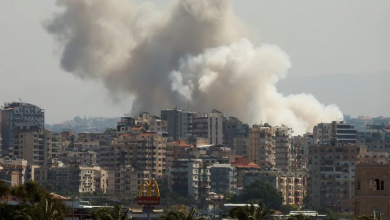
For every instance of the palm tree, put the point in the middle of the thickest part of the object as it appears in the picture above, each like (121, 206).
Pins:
(172, 215)
(365, 217)
(261, 212)
(106, 214)
(44, 210)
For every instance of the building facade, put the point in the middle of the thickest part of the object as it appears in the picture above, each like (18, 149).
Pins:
(261, 144)
(179, 122)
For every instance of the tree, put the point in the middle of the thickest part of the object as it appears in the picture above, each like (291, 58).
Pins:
(179, 208)
(286, 209)
(106, 214)
(261, 191)
(324, 211)
(4, 191)
(261, 212)
(298, 217)
(365, 217)
(172, 215)
(44, 210)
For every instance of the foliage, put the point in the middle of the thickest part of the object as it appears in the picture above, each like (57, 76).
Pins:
(228, 196)
(298, 217)
(29, 193)
(260, 191)
(337, 216)
(286, 209)
(169, 198)
(365, 217)
(44, 210)
(261, 212)
(324, 211)
(107, 214)
(179, 208)
(172, 215)
(4, 191)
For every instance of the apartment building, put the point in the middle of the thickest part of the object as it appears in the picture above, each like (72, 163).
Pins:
(124, 125)
(216, 127)
(142, 150)
(291, 185)
(73, 178)
(240, 146)
(372, 192)
(16, 118)
(191, 177)
(261, 144)
(200, 126)
(16, 171)
(179, 122)
(375, 137)
(283, 156)
(78, 156)
(235, 129)
(332, 175)
(336, 131)
(299, 151)
(223, 179)
(125, 181)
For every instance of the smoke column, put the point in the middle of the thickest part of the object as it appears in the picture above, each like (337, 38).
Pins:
(196, 54)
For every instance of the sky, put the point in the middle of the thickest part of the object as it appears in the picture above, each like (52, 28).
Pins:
(347, 38)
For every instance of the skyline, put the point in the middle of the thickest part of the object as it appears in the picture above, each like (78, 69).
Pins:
(59, 92)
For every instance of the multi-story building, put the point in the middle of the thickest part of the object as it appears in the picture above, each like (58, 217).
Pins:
(336, 131)
(223, 179)
(142, 150)
(16, 171)
(200, 126)
(291, 185)
(191, 177)
(331, 175)
(299, 151)
(283, 157)
(79, 156)
(235, 129)
(240, 146)
(125, 181)
(372, 192)
(375, 137)
(261, 144)
(124, 125)
(16, 118)
(73, 178)
(216, 125)
(179, 122)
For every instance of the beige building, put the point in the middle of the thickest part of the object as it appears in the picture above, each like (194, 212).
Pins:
(16, 171)
(372, 191)
(125, 181)
(74, 178)
(261, 145)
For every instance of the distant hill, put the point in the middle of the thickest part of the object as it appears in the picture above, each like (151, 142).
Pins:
(355, 94)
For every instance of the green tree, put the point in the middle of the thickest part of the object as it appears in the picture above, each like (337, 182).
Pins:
(107, 214)
(298, 217)
(173, 215)
(251, 212)
(4, 191)
(261, 191)
(179, 208)
(44, 210)
(29, 193)
(365, 217)
(324, 211)
(286, 209)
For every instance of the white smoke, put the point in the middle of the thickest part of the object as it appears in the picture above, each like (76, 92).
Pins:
(196, 54)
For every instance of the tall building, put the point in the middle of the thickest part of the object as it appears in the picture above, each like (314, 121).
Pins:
(300, 151)
(200, 126)
(216, 124)
(261, 144)
(179, 122)
(17, 118)
(283, 159)
(336, 131)
(223, 179)
(331, 176)
(234, 128)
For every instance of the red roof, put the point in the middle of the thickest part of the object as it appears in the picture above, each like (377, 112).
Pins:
(137, 128)
(182, 143)
(147, 134)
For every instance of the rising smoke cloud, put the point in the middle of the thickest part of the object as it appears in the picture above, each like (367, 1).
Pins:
(195, 54)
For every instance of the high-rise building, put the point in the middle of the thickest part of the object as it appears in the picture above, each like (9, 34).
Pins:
(283, 159)
(332, 175)
(179, 122)
(336, 131)
(223, 179)
(17, 118)
(216, 125)
(234, 128)
(261, 144)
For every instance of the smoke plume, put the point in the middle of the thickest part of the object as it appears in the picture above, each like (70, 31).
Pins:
(195, 54)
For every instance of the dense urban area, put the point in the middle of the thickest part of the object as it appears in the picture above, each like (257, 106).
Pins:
(205, 164)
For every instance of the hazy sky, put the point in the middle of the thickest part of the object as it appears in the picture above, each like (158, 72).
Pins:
(322, 37)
